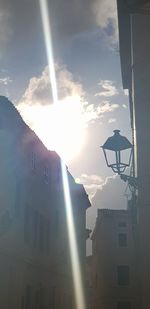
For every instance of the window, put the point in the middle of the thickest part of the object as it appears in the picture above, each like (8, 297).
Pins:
(122, 240)
(124, 305)
(40, 298)
(122, 224)
(52, 298)
(96, 280)
(22, 302)
(41, 233)
(35, 225)
(26, 224)
(42, 295)
(33, 160)
(123, 274)
(46, 174)
(17, 199)
(37, 298)
(58, 176)
(36, 230)
(57, 222)
(28, 297)
(47, 236)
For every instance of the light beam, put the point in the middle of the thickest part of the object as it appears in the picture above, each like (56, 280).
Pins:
(76, 270)
(49, 50)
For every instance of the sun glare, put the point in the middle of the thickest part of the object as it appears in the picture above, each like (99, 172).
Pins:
(60, 126)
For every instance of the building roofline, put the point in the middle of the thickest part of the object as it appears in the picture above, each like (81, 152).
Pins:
(33, 138)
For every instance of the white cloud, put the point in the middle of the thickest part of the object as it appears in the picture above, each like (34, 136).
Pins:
(106, 16)
(5, 81)
(91, 183)
(92, 112)
(104, 11)
(108, 179)
(68, 123)
(61, 126)
(107, 107)
(108, 89)
(112, 120)
(110, 194)
(95, 183)
(94, 179)
(84, 15)
(126, 92)
(38, 91)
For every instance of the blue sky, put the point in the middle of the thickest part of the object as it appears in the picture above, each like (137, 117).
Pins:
(86, 52)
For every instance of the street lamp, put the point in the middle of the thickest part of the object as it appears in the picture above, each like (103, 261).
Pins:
(118, 153)
(114, 153)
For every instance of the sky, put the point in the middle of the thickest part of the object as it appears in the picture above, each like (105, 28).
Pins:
(92, 102)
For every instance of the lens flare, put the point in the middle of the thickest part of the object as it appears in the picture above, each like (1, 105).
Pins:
(80, 304)
(76, 270)
(49, 50)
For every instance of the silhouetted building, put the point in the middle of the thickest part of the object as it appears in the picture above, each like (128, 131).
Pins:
(35, 268)
(134, 37)
(115, 282)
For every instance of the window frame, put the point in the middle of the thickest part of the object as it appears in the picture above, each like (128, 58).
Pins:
(33, 161)
(124, 278)
(46, 174)
(122, 243)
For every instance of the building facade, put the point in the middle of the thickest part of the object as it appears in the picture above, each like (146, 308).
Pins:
(134, 25)
(35, 266)
(115, 278)
(89, 282)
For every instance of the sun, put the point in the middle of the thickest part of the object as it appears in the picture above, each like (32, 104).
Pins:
(60, 126)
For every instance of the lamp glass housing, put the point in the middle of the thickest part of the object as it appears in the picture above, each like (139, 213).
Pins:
(118, 152)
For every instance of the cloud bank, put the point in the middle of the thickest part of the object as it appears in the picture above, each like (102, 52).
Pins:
(61, 127)
(91, 183)
(21, 19)
(38, 93)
